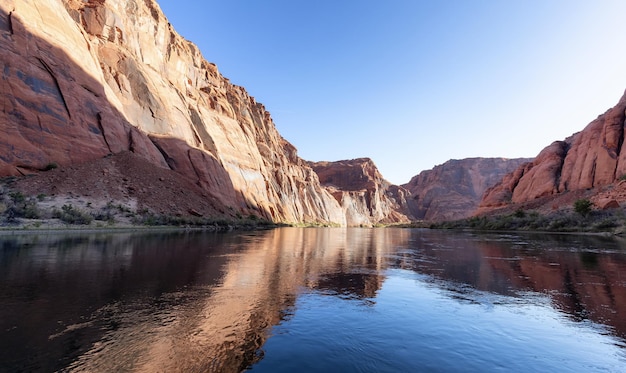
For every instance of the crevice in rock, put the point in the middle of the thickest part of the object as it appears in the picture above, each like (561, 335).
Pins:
(559, 171)
(90, 90)
(56, 83)
(620, 143)
(195, 170)
(169, 160)
(29, 169)
(199, 128)
(593, 173)
(194, 129)
(10, 22)
(99, 117)
(131, 141)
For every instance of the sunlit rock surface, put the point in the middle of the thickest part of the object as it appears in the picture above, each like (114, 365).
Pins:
(590, 159)
(82, 79)
(364, 195)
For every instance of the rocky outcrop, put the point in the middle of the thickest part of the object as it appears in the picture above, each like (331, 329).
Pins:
(454, 189)
(365, 196)
(83, 79)
(590, 159)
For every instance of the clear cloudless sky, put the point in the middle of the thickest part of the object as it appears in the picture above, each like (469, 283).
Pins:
(414, 83)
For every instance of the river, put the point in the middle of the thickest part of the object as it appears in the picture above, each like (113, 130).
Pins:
(312, 300)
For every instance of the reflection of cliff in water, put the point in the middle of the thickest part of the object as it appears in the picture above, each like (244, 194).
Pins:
(584, 275)
(206, 302)
(65, 291)
(182, 301)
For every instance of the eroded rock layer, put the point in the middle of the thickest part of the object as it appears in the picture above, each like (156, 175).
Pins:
(365, 196)
(83, 79)
(453, 190)
(590, 159)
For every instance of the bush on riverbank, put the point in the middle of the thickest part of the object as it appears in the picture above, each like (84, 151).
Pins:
(563, 221)
(21, 211)
(151, 219)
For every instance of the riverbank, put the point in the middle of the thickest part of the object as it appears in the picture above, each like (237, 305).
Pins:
(611, 221)
(51, 229)
(20, 213)
(46, 203)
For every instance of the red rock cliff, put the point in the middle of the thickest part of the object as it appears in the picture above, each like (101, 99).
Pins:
(454, 189)
(365, 196)
(83, 79)
(588, 159)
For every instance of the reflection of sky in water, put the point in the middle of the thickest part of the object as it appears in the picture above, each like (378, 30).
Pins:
(417, 322)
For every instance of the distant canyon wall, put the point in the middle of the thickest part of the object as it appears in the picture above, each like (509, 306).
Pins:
(363, 193)
(453, 190)
(589, 159)
(83, 79)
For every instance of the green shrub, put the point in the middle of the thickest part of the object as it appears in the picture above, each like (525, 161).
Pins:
(30, 210)
(606, 223)
(71, 215)
(50, 166)
(104, 215)
(21, 207)
(17, 197)
(583, 206)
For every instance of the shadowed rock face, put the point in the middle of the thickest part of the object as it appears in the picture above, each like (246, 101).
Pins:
(365, 196)
(83, 79)
(589, 159)
(454, 189)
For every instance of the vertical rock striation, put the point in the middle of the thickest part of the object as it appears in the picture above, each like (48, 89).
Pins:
(454, 189)
(588, 159)
(83, 79)
(365, 196)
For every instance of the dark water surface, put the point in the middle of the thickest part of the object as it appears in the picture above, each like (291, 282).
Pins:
(312, 299)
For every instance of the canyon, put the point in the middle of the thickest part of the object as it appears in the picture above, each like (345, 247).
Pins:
(103, 101)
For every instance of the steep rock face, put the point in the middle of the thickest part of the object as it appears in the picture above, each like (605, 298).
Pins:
(454, 189)
(82, 79)
(588, 159)
(365, 196)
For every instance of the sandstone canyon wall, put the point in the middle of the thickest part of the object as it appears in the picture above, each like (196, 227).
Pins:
(589, 159)
(365, 196)
(83, 79)
(453, 190)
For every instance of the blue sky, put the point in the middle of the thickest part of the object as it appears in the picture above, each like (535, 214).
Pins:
(412, 83)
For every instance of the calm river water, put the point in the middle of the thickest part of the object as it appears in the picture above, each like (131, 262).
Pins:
(312, 300)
